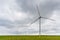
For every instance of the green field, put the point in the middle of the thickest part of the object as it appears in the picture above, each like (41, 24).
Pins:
(30, 37)
(19, 37)
(50, 37)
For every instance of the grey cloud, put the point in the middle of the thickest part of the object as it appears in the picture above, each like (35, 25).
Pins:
(8, 12)
(6, 23)
(27, 6)
(46, 8)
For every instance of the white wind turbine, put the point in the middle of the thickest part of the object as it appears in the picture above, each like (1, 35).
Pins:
(39, 18)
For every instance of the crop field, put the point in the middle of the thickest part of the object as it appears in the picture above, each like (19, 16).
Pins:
(50, 37)
(22, 37)
(19, 37)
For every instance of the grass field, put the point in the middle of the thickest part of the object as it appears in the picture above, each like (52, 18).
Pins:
(50, 37)
(19, 37)
(30, 37)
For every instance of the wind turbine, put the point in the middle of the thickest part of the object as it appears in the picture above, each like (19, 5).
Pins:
(39, 18)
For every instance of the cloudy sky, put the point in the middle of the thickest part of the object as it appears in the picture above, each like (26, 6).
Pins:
(16, 16)
(52, 9)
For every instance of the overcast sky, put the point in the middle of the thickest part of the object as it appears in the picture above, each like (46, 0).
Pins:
(51, 7)
(16, 16)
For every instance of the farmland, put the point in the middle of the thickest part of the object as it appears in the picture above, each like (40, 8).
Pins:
(28, 37)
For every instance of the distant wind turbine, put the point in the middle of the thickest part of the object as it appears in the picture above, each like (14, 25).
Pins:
(39, 18)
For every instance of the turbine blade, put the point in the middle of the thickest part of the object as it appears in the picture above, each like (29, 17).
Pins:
(47, 18)
(38, 10)
(35, 20)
